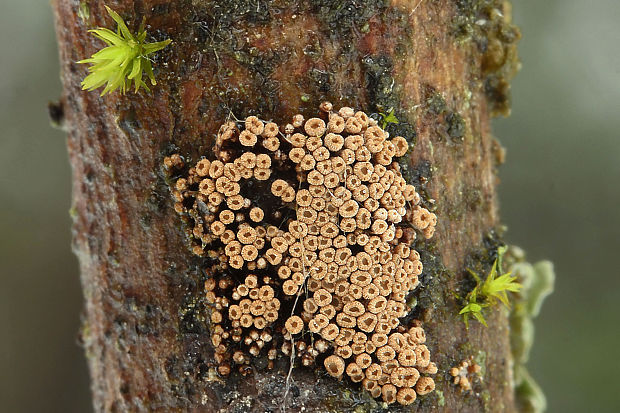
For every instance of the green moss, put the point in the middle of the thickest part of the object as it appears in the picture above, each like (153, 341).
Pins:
(493, 289)
(123, 61)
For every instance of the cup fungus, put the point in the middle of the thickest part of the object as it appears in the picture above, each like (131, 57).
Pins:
(306, 233)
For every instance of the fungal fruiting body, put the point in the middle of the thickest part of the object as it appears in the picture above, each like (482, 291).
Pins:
(308, 229)
(465, 374)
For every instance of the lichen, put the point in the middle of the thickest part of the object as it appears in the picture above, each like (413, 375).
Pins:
(441, 400)
(447, 124)
(487, 23)
(83, 11)
(456, 126)
(537, 280)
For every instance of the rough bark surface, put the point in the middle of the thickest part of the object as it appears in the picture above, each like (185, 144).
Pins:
(442, 65)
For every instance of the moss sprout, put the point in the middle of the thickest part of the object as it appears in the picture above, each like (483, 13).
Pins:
(487, 293)
(124, 60)
(387, 118)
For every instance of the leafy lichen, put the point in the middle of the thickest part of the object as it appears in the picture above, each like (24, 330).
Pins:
(487, 24)
(537, 280)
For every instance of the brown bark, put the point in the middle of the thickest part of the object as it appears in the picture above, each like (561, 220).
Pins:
(432, 61)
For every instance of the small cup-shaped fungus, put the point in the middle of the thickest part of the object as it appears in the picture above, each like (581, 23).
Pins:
(320, 208)
(334, 365)
(294, 324)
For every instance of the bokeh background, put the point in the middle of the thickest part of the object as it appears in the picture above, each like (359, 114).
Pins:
(559, 197)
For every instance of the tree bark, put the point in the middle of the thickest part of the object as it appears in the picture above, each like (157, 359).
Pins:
(441, 65)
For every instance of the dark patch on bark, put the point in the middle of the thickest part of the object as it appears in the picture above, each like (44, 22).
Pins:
(488, 24)
(56, 113)
(344, 17)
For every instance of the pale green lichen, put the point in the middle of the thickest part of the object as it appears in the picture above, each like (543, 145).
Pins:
(83, 11)
(481, 360)
(441, 400)
(537, 281)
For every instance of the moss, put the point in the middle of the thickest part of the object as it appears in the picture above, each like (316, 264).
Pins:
(480, 260)
(487, 24)
(124, 46)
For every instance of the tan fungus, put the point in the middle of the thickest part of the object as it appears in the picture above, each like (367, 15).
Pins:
(352, 209)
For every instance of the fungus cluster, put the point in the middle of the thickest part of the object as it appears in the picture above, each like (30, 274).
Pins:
(309, 228)
(465, 374)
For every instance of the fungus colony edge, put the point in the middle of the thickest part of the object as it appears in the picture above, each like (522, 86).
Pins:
(309, 228)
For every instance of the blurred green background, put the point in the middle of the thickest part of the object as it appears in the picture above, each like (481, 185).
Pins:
(559, 198)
